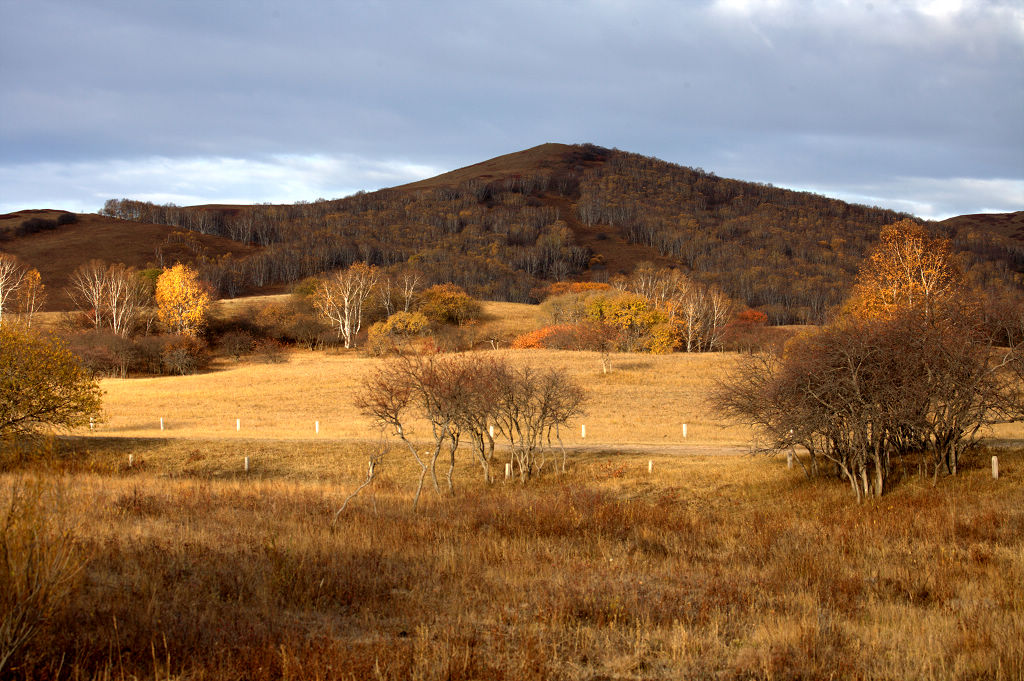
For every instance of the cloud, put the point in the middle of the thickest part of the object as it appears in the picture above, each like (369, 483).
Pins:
(932, 198)
(793, 92)
(188, 181)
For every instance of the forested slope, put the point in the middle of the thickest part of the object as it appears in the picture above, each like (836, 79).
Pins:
(501, 228)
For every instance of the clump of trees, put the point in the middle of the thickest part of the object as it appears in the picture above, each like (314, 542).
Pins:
(474, 397)
(908, 375)
(654, 309)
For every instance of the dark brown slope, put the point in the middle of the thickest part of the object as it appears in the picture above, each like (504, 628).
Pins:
(57, 252)
(1007, 225)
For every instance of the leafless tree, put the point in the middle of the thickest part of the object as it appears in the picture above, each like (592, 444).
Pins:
(125, 297)
(89, 289)
(12, 274)
(340, 299)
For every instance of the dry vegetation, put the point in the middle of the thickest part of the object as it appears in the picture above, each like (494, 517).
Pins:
(284, 400)
(725, 567)
(714, 565)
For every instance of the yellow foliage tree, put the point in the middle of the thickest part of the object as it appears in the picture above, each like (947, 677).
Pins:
(909, 269)
(182, 300)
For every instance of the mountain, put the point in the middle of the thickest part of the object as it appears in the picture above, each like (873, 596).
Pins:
(504, 227)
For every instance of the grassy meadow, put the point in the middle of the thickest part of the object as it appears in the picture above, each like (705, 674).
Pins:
(712, 564)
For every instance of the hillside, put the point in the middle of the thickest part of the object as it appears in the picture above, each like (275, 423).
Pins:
(56, 250)
(503, 227)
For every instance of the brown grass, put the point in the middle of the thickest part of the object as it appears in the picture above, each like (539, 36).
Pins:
(714, 567)
(644, 400)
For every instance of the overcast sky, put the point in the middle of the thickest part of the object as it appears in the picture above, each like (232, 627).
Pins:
(912, 105)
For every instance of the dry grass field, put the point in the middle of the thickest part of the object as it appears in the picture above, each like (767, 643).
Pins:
(714, 565)
(644, 399)
(727, 567)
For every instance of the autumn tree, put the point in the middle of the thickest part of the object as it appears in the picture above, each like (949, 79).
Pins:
(909, 269)
(340, 298)
(182, 300)
(42, 385)
(12, 274)
(31, 296)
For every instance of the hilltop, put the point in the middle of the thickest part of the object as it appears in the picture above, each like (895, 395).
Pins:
(504, 227)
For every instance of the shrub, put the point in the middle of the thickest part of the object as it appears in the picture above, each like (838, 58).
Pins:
(67, 219)
(385, 337)
(236, 343)
(449, 304)
(184, 354)
(269, 351)
(43, 385)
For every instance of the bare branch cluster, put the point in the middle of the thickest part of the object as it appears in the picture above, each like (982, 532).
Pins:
(112, 295)
(476, 397)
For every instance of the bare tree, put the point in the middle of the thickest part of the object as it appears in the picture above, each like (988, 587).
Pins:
(89, 289)
(864, 395)
(12, 274)
(125, 297)
(340, 299)
(531, 406)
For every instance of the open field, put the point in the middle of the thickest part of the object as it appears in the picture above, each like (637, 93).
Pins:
(714, 564)
(645, 399)
(723, 567)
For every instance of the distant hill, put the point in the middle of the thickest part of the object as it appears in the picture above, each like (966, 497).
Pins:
(56, 250)
(503, 227)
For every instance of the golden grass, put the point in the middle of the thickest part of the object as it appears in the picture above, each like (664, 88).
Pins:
(645, 399)
(724, 567)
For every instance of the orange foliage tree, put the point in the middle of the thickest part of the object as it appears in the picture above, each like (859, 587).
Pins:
(182, 300)
(908, 270)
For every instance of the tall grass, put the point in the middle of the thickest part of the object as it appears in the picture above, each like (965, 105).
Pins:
(711, 567)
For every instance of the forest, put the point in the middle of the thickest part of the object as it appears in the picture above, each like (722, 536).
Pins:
(792, 255)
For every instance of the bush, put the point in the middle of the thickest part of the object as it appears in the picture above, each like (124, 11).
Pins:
(184, 354)
(67, 219)
(105, 353)
(449, 304)
(43, 385)
(236, 343)
(385, 337)
(581, 336)
(269, 351)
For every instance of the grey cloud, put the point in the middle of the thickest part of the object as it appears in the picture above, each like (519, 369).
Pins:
(792, 92)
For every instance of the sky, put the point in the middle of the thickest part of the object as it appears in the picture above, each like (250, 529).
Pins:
(915, 105)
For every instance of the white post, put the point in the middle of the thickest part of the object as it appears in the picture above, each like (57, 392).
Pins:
(650, 465)
(246, 464)
(789, 459)
(490, 429)
(238, 424)
(92, 423)
(161, 423)
(130, 460)
(684, 430)
(508, 471)
(316, 426)
(583, 431)
(995, 467)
